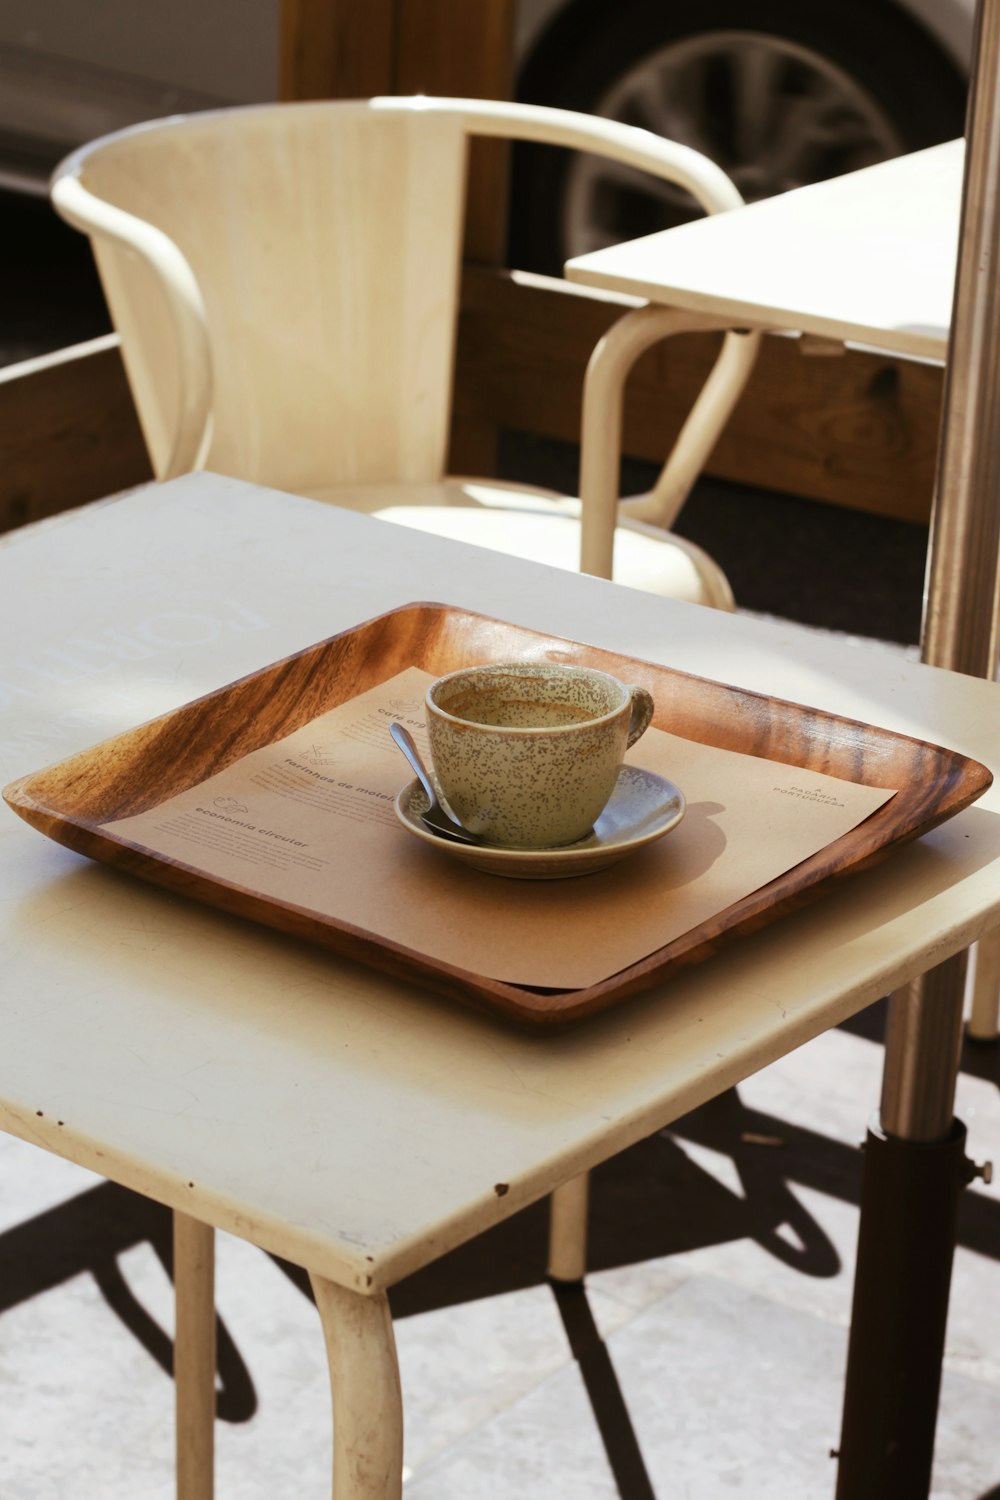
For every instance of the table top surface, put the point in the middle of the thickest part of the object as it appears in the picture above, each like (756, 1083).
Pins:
(867, 258)
(350, 1121)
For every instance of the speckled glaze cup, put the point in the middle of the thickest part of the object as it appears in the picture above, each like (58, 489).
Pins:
(526, 754)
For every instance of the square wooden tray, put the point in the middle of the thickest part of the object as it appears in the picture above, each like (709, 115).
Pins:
(144, 767)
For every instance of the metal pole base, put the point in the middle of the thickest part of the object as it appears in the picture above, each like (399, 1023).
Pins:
(909, 1222)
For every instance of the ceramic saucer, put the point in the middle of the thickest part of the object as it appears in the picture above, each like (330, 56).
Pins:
(642, 808)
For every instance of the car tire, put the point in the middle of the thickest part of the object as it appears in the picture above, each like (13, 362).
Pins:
(836, 85)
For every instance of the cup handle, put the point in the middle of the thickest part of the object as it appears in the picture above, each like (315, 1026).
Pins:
(642, 714)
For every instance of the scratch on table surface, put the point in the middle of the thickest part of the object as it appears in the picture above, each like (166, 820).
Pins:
(508, 1065)
(54, 912)
(498, 1053)
(138, 1056)
(169, 1110)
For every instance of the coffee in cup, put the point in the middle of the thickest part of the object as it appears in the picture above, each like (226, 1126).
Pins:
(527, 754)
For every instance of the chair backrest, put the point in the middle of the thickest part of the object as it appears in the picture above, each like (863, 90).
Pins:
(285, 277)
(324, 241)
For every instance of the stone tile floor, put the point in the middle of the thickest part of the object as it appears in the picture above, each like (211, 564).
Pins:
(710, 1336)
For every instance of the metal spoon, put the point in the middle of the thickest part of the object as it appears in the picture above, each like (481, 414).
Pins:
(435, 818)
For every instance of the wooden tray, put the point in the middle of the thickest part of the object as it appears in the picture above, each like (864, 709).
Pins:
(142, 768)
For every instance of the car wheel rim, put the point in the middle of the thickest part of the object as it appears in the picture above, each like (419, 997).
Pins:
(772, 113)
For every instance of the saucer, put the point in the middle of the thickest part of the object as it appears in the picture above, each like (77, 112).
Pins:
(642, 808)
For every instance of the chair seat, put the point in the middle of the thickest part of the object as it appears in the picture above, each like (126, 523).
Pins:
(541, 527)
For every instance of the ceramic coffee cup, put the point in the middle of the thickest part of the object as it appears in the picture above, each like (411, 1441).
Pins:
(526, 754)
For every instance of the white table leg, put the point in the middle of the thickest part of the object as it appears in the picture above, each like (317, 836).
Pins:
(986, 988)
(367, 1401)
(194, 1356)
(568, 1229)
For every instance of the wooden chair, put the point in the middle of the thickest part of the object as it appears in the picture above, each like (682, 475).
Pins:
(284, 279)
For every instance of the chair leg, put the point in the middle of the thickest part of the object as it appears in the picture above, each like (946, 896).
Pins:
(194, 1356)
(603, 400)
(568, 1229)
(367, 1401)
(701, 431)
(986, 989)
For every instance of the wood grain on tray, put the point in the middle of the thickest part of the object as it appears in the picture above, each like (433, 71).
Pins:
(140, 769)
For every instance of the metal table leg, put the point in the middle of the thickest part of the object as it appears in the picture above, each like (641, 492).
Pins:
(915, 1170)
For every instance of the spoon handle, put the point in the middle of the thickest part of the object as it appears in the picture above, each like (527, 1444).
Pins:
(405, 741)
(435, 818)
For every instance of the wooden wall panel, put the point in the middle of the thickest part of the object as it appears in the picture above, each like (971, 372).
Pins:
(856, 429)
(859, 430)
(68, 432)
(336, 49)
(452, 47)
(350, 49)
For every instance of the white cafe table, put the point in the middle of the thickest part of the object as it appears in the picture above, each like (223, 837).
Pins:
(350, 1121)
(867, 258)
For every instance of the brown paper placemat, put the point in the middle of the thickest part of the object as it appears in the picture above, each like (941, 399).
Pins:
(309, 819)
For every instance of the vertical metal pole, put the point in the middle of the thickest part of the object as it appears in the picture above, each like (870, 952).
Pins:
(915, 1165)
(909, 1220)
(923, 1043)
(960, 596)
